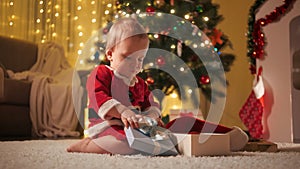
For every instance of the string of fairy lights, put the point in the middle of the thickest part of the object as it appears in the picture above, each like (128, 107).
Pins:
(69, 23)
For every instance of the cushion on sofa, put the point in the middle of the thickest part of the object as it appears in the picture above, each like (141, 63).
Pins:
(17, 55)
(17, 92)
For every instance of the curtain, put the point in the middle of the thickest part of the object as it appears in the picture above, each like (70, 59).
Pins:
(69, 23)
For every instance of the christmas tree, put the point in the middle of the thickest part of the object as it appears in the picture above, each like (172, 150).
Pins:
(201, 13)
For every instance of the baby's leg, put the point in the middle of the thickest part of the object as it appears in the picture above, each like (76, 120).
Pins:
(86, 145)
(102, 145)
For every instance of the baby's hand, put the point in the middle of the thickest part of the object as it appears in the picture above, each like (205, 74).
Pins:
(129, 118)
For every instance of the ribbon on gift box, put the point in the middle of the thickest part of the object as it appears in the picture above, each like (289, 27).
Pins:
(150, 128)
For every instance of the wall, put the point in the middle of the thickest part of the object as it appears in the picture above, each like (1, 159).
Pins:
(277, 75)
(234, 25)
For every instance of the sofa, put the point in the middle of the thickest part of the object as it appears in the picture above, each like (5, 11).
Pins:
(17, 55)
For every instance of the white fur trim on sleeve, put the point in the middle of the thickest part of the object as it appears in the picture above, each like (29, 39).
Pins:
(103, 110)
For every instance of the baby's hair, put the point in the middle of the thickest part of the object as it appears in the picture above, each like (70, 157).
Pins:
(123, 29)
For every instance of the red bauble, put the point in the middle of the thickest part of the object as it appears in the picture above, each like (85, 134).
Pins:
(160, 61)
(150, 80)
(204, 79)
(150, 9)
(105, 30)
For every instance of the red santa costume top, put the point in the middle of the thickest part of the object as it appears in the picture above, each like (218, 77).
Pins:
(106, 89)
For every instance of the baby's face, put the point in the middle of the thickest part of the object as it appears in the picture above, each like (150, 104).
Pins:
(128, 56)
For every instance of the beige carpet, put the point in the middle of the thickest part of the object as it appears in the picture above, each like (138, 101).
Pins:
(40, 154)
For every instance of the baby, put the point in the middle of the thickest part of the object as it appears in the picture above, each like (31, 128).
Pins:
(116, 94)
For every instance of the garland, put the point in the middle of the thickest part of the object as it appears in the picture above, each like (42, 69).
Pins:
(256, 37)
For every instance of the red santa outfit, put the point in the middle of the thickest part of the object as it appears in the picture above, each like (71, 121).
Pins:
(106, 89)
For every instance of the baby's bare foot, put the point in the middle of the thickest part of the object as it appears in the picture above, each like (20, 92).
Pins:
(79, 146)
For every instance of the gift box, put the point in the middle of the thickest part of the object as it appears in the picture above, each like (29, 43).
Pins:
(162, 144)
(203, 144)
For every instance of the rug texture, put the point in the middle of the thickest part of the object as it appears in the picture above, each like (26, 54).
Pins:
(38, 154)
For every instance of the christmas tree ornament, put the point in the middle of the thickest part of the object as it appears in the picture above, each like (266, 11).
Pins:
(160, 61)
(216, 37)
(105, 31)
(199, 8)
(204, 79)
(179, 48)
(150, 80)
(150, 9)
(172, 2)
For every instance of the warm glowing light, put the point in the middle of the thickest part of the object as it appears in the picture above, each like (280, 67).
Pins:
(79, 52)
(156, 36)
(37, 31)
(181, 69)
(94, 12)
(195, 45)
(81, 44)
(92, 57)
(109, 5)
(41, 2)
(206, 18)
(106, 12)
(41, 10)
(13, 16)
(174, 95)
(79, 8)
(56, 6)
(173, 46)
(38, 20)
(11, 23)
(94, 20)
(11, 3)
(56, 14)
(76, 18)
(80, 34)
(79, 27)
(93, 2)
(186, 16)
(172, 11)
(190, 91)
(175, 107)
(54, 34)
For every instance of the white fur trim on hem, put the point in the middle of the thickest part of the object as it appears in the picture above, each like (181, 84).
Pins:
(103, 110)
(98, 128)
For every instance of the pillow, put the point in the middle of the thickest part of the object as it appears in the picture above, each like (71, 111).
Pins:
(4, 70)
